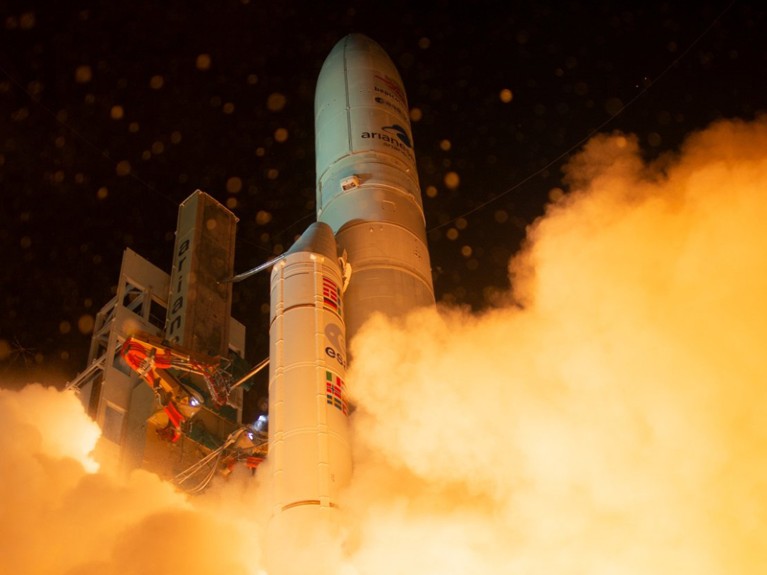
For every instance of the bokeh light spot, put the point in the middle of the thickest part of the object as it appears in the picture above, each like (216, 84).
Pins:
(203, 62)
(613, 106)
(85, 323)
(27, 21)
(83, 74)
(263, 217)
(123, 168)
(452, 180)
(234, 185)
(275, 102)
(280, 135)
(581, 88)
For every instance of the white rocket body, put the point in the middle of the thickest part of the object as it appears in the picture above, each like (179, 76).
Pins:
(368, 196)
(367, 184)
(309, 453)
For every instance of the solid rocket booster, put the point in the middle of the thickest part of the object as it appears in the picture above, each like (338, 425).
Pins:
(309, 448)
(367, 184)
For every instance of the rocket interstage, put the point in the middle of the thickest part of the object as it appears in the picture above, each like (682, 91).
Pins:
(367, 184)
(309, 447)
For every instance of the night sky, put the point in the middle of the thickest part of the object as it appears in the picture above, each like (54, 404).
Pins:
(111, 113)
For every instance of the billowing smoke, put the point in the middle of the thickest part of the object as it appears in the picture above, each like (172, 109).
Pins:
(60, 516)
(612, 417)
(609, 418)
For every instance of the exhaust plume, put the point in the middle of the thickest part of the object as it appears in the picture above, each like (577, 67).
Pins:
(610, 418)
(607, 419)
(62, 516)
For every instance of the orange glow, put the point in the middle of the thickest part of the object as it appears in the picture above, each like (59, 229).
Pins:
(609, 419)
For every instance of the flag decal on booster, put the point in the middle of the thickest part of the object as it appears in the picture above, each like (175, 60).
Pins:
(331, 295)
(336, 391)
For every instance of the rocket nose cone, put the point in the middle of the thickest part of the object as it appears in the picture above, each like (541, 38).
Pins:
(355, 50)
(355, 43)
(318, 238)
(353, 56)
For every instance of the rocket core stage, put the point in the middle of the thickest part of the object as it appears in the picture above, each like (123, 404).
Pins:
(367, 184)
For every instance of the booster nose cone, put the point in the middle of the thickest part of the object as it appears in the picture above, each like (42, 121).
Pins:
(318, 238)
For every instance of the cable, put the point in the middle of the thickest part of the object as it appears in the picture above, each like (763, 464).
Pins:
(600, 127)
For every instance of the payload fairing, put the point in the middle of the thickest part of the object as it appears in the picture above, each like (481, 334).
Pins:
(370, 212)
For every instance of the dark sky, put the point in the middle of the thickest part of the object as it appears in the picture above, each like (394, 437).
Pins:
(111, 113)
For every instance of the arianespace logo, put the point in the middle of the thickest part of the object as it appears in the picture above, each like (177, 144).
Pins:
(400, 132)
(394, 135)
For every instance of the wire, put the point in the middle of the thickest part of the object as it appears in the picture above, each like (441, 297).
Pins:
(600, 127)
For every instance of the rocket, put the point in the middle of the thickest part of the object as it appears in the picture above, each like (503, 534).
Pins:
(369, 213)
